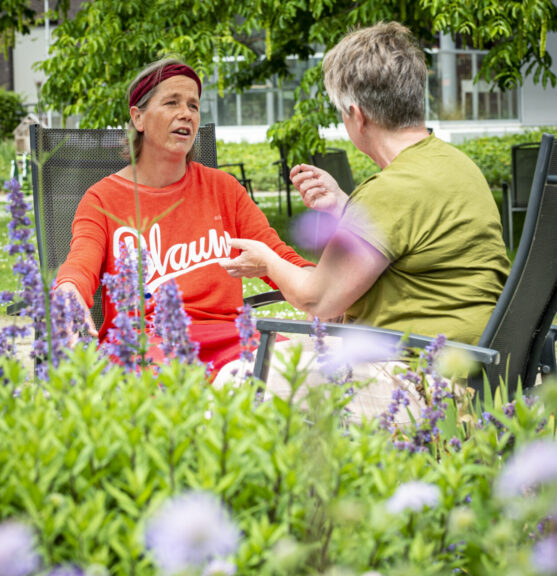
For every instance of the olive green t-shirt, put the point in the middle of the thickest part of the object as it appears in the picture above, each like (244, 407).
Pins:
(432, 214)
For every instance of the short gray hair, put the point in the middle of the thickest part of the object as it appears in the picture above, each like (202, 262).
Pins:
(382, 70)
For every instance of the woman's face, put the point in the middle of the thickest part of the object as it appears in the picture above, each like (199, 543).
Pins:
(171, 119)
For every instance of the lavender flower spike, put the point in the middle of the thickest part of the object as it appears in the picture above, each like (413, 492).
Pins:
(532, 465)
(171, 324)
(190, 531)
(319, 333)
(245, 324)
(413, 496)
(17, 556)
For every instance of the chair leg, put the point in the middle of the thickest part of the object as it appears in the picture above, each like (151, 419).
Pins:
(263, 356)
(511, 232)
(548, 363)
(250, 190)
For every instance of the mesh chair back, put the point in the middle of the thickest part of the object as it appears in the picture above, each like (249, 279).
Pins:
(74, 159)
(335, 162)
(528, 303)
(524, 159)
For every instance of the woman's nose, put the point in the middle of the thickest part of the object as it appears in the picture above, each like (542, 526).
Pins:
(184, 111)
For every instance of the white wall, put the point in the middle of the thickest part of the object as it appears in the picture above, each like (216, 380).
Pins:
(539, 104)
(28, 49)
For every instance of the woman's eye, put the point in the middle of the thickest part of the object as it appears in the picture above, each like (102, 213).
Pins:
(171, 102)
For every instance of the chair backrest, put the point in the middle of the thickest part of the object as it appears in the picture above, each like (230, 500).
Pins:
(528, 303)
(524, 158)
(335, 162)
(72, 161)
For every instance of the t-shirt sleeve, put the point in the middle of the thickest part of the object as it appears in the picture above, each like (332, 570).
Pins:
(87, 249)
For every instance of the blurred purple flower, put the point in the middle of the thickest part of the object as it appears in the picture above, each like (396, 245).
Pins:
(67, 570)
(455, 443)
(319, 334)
(219, 567)
(544, 556)
(312, 230)
(171, 323)
(413, 496)
(530, 466)
(357, 349)
(17, 556)
(190, 531)
(245, 324)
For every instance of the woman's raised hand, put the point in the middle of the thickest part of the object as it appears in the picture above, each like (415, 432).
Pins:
(319, 190)
(69, 288)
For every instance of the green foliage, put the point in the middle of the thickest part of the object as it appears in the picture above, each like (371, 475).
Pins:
(493, 154)
(89, 457)
(20, 16)
(12, 110)
(7, 154)
(515, 34)
(94, 56)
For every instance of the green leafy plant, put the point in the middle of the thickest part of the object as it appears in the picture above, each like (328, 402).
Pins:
(89, 457)
(12, 110)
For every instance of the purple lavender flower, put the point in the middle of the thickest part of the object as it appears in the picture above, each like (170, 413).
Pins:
(413, 496)
(455, 443)
(530, 466)
(319, 333)
(190, 531)
(172, 322)
(544, 556)
(399, 398)
(17, 556)
(431, 352)
(123, 340)
(245, 324)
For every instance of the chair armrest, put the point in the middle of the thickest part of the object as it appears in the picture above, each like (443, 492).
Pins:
(14, 308)
(270, 326)
(231, 164)
(264, 298)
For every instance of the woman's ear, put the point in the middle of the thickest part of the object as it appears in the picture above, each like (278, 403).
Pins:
(360, 117)
(137, 118)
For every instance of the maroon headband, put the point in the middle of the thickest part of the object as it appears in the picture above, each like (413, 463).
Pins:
(156, 77)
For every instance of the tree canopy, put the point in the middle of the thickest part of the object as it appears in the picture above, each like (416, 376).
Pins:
(96, 54)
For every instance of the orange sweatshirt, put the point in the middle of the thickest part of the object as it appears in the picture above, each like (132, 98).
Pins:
(186, 244)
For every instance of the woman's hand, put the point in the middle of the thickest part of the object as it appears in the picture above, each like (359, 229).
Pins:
(69, 288)
(252, 262)
(319, 190)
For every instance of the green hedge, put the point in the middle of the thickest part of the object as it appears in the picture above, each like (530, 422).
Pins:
(492, 154)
